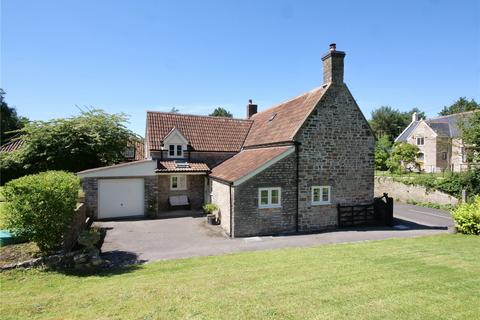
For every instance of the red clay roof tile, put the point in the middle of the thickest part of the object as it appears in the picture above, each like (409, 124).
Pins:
(280, 123)
(245, 162)
(170, 166)
(204, 133)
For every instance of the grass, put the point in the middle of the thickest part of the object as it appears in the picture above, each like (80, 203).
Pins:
(19, 252)
(444, 207)
(420, 278)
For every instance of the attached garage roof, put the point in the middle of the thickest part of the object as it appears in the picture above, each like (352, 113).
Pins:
(249, 162)
(139, 168)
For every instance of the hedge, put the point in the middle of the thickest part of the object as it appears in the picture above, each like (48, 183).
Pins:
(40, 207)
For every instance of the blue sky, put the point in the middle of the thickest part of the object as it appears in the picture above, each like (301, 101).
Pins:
(133, 56)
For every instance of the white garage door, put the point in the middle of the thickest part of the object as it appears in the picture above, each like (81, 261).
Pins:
(120, 198)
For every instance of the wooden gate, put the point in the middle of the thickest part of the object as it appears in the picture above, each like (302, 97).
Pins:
(378, 213)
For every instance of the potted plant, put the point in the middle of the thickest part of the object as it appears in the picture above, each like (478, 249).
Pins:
(210, 209)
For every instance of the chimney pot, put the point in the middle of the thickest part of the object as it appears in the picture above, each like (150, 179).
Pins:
(251, 108)
(333, 65)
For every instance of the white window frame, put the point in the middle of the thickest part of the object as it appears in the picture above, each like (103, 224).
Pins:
(179, 186)
(175, 151)
(321, 201)
(270, 204)
(423, 141)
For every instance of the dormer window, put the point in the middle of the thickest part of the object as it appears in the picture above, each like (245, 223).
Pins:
(175, 151)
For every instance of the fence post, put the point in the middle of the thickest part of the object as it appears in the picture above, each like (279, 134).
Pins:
(464, 196)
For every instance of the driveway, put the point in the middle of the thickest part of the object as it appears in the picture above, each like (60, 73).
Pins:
(190, 236)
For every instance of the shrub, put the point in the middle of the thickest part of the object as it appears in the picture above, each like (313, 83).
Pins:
(467, 217)
(210, 208)
(40, 207)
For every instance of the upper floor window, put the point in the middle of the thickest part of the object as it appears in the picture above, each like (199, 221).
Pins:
(321, 195)
(175, 151)
(270, 197)
(444, 156)
(178, 182)
(420, 141)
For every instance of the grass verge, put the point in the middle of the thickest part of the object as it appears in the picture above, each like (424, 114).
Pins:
(419, 278)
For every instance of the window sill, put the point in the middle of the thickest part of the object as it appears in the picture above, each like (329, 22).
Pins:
(270, 207)
(178, 189)
(320, 203)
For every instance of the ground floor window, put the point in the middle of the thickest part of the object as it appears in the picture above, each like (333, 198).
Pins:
(320, 195)
(178, 182)
(269, 197)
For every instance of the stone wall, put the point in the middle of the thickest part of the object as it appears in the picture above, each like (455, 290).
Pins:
(195, 191)
(404, 193)
(150, 192)
(429, 148)
(220, 196)
(249, 219)
(337, 150)
(76, 226)
(90, 188)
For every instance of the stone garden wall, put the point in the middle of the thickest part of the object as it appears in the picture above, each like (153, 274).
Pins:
(404, 193)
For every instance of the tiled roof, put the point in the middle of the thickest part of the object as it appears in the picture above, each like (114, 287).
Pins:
(11, 145)
(246, 162)
(404, 135)
(446, 126)
(170, 166)
(203, 133)
(281, 123)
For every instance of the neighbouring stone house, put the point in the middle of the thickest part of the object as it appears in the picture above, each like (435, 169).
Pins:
(439, 140)
(281, 170)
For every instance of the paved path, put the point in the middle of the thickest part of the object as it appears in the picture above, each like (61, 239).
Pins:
(149, 240)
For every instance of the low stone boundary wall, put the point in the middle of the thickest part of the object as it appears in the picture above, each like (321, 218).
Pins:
(78, 224)
(404, 193)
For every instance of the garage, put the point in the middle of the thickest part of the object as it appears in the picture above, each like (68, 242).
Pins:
(119, 198)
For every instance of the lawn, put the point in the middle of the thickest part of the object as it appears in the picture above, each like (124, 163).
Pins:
(420, 278)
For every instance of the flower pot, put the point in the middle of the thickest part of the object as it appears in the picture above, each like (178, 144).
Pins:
(211, 219)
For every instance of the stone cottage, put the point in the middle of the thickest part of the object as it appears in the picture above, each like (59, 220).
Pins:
(439, 140)
(281, 170)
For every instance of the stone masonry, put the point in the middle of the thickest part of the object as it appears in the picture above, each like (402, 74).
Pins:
(337, 150)
(249, 219)
(195, 191)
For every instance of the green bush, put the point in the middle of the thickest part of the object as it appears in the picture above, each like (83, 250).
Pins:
(209, 208)
(40, 207)
(467, 217)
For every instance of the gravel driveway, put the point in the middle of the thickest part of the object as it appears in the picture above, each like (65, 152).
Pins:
(190, 236)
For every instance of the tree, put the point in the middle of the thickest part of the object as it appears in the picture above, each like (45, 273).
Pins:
(221, 112)
(404, 155)
(470, 133)
(390, 122)
(461, 105)
(92, 139)
(10, 121)
(383, 147)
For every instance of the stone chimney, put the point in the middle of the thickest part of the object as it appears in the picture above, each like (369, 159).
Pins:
(251, 109)
(333, 65)
(414, 117)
